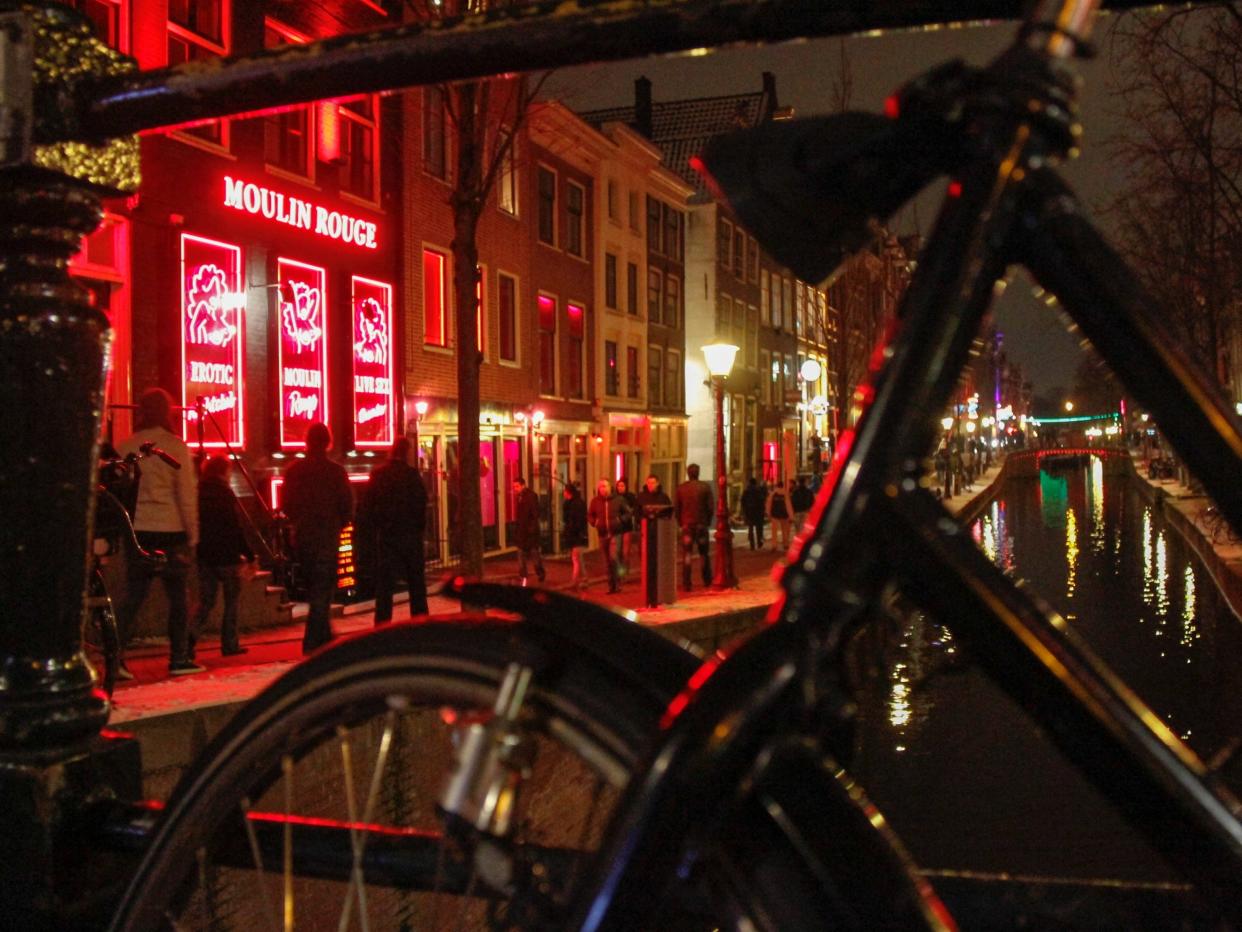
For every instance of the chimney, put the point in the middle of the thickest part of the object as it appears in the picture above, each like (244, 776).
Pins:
(642, 106)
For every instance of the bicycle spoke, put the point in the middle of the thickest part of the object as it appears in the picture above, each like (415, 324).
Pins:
(265, 891)
(358, 836)
(286, 769)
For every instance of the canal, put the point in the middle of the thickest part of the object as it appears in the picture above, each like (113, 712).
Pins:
(960, 772)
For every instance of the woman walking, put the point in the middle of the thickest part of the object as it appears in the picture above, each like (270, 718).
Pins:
(574, 533)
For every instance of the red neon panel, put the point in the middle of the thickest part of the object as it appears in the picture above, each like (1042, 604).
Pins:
(618, 466)
(374, 414)
(303, 350)
(329, 132)
(547, 313)
(577, 318)
(213, 303)
(478, 304)
(434, 305)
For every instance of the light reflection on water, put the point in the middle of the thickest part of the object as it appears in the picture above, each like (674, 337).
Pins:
(939, 754)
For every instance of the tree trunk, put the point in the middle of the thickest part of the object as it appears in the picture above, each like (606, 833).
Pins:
(467, 207)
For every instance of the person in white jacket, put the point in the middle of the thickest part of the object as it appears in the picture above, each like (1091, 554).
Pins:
(166, 519)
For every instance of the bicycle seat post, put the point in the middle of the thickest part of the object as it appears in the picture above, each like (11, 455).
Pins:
(52, 348)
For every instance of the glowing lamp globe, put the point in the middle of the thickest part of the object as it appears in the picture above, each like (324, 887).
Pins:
(719, 358)
(810, 370)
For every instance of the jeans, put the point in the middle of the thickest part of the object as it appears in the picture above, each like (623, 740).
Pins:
(695, 537)
(399, 558)
(172, 575)
(755, 533)
(530, 553)
(210, 579)
(318, 567)
(610, 561)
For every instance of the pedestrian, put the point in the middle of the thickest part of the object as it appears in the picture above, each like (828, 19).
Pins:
(752, 512)
(652, 497)
(222, 551)
(165, 519)
(778, 510)
(629, 527)
(802, 500)
(574, 532)
(392, 518)
(319, 504)
(605, 514)
(694, 517)
(526, 533)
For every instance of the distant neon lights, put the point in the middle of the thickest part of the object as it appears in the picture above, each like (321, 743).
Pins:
(262, 201)
(303, 350)
(374, 414)
(212, 317)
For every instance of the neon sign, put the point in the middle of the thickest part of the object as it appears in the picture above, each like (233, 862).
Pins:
(303, 350)
(261, 201)
(374, 416)
(213, 307)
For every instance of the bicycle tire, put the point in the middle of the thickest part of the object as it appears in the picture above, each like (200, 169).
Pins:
(99, 630)
(580, 702)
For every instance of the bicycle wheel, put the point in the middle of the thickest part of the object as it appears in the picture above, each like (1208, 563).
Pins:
(362, 735)
(99, 632)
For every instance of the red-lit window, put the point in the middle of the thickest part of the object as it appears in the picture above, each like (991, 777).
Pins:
(575, 363)
(303, 350)
(612, 371)
(198, 31)
(506, 293)
(287, 135)
(108, 18)
(480, 311)
(213, 303)
(547, 344)
(374, 419)
(435, 298)
(360, 147)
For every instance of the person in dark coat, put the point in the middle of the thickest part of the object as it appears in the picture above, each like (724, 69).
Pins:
(526, 532)
(753, 501)
(629, 527)
(607, 513)
(803, 500)
(694, 517)
(222, 549)
(319, 504)
(392, 517)
(651, 495)
(574, 532)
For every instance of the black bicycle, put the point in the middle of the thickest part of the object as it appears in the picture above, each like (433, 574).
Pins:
(563, 769)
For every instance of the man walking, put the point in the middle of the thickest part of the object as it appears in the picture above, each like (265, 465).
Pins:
(802, 500)
(526, 532)
(753, 501)
(607, 513)
(222, 549)
(318, 503)
(694, 517)
(393, 518)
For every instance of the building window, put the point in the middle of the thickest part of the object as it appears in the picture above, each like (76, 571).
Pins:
(575, 206)
(672, 300)
(359, 148)
(778, 383)
(765, 377)
(654, 229)
(655, 290)
(435, 298)
(287, 135)
(633, 379)
(655, 375)
(672, 379)
(547, 345)
(575, 365)
(435, 150)
(752, 336)
(196, 32)
(506, 311)
(672, 233)
(631, 288)
(612, 377)
(786, 302)
(765, 296)
(507, 179)
(752, 260)
(613, 206)
(739, 252)
(610, 281)
(105, 16)
(547, 206)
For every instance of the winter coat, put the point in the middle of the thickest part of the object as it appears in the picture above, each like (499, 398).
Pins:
(573, 522)
(752, 504)
(694, 504)
(526, 534)
(167, 497)
(318, 501)
(221, 541)
(608, 514)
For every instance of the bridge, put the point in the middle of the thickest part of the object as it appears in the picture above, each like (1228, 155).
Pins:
(1030, 462)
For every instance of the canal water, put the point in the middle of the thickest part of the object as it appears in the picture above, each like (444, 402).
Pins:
(961, 773)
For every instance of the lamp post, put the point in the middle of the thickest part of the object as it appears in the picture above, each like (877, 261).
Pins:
(719, 357)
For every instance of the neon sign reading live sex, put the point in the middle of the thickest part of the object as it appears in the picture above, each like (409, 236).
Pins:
(303, 350)
(262, 201)
(374, 420)
(212, 309)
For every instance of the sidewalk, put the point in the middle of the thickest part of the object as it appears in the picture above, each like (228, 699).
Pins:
(702, 616)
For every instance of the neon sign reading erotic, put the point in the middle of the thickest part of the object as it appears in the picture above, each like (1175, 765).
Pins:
(303, 350)
(212, 312)
(374, 416)
(261, 201)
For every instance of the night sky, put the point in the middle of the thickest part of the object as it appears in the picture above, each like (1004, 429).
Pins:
(805, 72)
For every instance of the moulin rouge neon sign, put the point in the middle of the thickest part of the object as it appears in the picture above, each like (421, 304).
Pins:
(212, 311)
(262, 201)
(374, 420)
(303, 350)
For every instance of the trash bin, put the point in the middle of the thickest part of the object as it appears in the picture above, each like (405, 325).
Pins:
(659, 555)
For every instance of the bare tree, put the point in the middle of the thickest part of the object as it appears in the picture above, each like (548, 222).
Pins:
(1179, 215)
(485, 118)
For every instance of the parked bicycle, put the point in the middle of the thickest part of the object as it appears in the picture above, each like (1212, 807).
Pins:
(1215, 526)
(561, 769)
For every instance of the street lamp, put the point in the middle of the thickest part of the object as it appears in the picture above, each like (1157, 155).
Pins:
(1069, 406)
(420, 408)
(720, 358)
